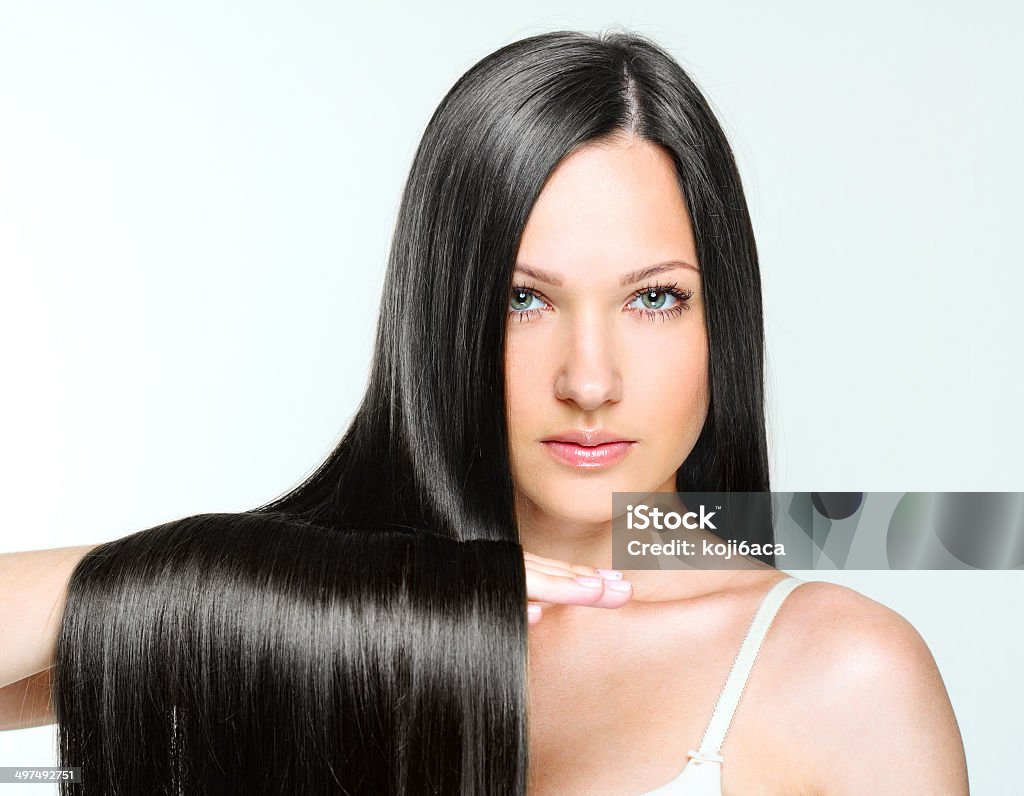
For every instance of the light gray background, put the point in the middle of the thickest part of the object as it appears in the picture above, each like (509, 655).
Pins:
(196, 201)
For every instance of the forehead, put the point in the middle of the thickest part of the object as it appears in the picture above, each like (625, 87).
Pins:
(609, 206)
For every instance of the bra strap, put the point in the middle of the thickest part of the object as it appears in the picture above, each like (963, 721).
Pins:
(714, 736)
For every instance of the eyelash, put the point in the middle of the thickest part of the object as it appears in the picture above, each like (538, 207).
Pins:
(680, 295)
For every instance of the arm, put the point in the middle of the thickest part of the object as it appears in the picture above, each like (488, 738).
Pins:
(26, 703)
(33, 587)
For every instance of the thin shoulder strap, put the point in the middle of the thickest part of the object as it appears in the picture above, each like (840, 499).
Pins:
(729, 698)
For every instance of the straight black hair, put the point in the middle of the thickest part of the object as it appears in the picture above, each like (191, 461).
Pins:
(211, 625)
(428, 445)
(256, 653)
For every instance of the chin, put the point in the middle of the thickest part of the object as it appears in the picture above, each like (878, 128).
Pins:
(583, 498)
(575, 513)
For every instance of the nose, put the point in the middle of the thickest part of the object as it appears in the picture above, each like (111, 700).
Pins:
(589, 375)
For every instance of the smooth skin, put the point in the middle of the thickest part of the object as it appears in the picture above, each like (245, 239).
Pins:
(845, 697)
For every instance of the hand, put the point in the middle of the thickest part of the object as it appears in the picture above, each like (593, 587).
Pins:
(550, 581)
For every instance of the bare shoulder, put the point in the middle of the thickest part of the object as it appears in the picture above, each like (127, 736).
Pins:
(864, 696)
(845, 622)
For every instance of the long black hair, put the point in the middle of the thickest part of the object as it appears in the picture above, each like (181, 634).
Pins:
(428, 445)
(259, 654)
(425, 458)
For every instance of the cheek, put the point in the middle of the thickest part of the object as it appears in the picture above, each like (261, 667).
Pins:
(670, 388)
(521, 392)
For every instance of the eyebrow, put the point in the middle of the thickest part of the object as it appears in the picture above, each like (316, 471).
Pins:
(626, 279)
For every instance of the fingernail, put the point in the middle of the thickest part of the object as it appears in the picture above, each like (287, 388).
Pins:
(533, 610)
(619, 585)
(586, 580)
(610, 574)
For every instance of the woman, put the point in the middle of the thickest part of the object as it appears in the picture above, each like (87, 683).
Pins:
(572, 308)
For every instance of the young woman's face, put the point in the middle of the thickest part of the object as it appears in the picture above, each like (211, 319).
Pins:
(595, 343)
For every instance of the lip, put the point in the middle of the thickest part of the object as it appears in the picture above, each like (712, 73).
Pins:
(587, 437)
(588, 448)
(575, 455)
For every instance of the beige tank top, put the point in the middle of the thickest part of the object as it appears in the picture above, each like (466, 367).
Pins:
(702, 774)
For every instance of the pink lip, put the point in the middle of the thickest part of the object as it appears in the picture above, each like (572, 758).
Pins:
(575, 455)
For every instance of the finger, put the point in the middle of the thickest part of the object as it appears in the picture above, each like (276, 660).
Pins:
(581, 569)
(576, 590)
(534, 612)
(550, 564)
(552, 569)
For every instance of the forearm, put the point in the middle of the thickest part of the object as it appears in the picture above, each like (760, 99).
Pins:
(33, 587)
(26, 703)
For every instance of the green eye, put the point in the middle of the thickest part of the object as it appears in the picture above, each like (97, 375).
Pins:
(521, 299)
(653, 299)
